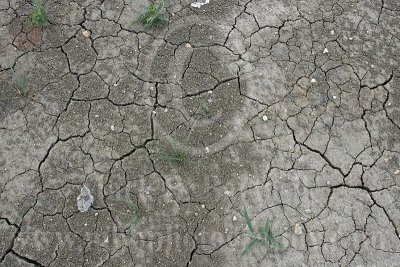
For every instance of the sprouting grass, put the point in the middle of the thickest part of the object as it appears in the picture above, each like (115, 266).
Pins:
(173, 155)
(264, 238)
(19, 83)
(132, 214)
(39, 16)
(153, 16)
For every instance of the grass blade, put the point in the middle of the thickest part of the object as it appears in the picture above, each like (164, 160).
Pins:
(248, 222)
(249, 246)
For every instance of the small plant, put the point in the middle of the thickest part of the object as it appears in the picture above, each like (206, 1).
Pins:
(265, 238)
(153, 16)
(20, 85)
(39, 15)
(174, 156)
(132, 215)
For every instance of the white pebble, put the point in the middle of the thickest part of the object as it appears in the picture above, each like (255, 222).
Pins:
(297, 229)
(264, 118)
(86, 34)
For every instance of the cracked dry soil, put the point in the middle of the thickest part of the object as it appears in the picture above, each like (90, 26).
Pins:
(287, 108)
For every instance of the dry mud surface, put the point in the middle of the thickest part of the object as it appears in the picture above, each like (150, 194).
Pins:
(289, 109)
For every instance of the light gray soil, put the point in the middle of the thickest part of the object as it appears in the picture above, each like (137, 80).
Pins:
(286, 108)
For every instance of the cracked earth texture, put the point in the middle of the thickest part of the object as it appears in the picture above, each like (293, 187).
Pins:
(287, 108)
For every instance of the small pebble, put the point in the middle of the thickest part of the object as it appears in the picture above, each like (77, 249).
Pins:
(332, 32)
(86, 34)
(297, 229)
(387, 159)
(264, 118)
(234, 219)
(334, 97)
(325, 50)
(112, 127)
(396, 172)
(188, 45)
(313, 80)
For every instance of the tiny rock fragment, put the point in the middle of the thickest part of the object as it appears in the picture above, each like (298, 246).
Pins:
(112, 128)
(334, 97)
(325, 50)
(332, 32)
(387, 159)
(188, 45)
(199, 4)
(297, 229)
(396, 172)
(264, 118)
(234, 219)
(227, 193)
(85, 199)
(313, 80)
(86, 33)
(207, 150)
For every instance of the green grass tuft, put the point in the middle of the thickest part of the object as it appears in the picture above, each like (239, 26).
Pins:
(154, 15)
(39, 16)
(174, 156)
(265, 237)
(131, 214)
(20, 84)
